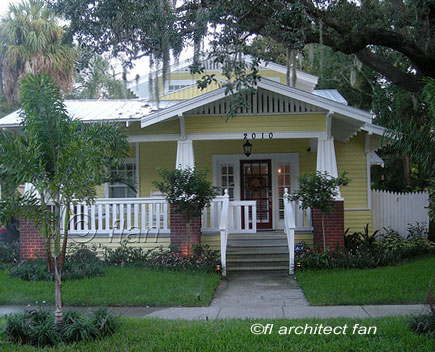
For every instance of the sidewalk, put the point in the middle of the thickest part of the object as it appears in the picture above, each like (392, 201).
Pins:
(253, 296)
(211, 313)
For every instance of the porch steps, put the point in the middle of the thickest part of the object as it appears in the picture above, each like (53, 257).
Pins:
(257, 252)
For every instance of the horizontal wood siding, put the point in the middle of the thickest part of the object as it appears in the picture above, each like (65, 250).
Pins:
(256, 123)
(154, 155)
(355, 220)
(351, 157)
(158, 128)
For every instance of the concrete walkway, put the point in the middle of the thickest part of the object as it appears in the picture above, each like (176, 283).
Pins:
(254, 296)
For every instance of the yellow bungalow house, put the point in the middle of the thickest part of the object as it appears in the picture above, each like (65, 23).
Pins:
(290, 131)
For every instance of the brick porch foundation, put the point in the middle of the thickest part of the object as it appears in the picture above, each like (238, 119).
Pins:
(334, 226)
(179, 231)
(32, 244)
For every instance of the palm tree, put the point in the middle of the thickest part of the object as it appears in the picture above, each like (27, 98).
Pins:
(64, 159)
(31, 42)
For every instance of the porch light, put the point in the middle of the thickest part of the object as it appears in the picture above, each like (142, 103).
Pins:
(247, 148)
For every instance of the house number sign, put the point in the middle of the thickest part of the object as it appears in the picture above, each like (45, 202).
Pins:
(259, 135)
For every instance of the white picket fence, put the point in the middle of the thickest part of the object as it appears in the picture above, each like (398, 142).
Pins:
(397, 210)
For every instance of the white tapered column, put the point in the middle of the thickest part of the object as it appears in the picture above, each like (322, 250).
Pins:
(185, 157)
(326, 160)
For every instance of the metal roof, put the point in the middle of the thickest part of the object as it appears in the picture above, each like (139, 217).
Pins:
(331, 94)
(101, 110)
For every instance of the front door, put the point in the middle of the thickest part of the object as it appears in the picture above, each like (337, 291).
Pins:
(256, 184)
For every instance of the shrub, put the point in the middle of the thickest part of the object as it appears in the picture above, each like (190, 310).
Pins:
(417, 229)
(9, 252)
(80, 262)
(37, 327)
(363, 250)
(201, 259)
(125, 255)
(32, 270)
(423, 324)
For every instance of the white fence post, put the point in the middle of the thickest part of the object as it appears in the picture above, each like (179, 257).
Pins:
(397, 210)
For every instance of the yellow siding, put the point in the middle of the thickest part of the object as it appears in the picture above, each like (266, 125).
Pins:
(152, 156)
(255, 123)
(355, 220)
(351, 157)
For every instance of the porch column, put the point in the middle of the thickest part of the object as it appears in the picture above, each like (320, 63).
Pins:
(326, 160)
(185, 157)
(179, 236)
(334, 221)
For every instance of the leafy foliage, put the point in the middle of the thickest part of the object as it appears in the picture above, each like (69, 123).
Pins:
(64, 159)
(201, 259)
(318, 189)
(364, 250)
(125, 255)
(187, 189)
(37, 327)
(9, 252)
(32, 41)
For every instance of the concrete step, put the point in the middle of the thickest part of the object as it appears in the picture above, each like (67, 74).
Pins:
(253, 244)
(257, 252)
(246, 259)
(283, 268)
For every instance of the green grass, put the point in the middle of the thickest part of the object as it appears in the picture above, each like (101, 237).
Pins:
(405, 283)
(119, 287)
(392, 334)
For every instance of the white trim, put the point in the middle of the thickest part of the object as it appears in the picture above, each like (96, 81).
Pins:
(275, 158)
(173, 137)
(137, 169)
(356, 209)
(371, 128)
(275, 87)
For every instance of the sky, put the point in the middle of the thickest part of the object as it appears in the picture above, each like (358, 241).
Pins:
(141, 66)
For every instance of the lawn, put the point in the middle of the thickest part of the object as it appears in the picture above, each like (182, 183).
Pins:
(392, 334)
(405, 283)
(119, 287)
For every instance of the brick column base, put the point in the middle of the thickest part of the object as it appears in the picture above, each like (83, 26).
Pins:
(334, 226)
(32, 244)
(179, 231)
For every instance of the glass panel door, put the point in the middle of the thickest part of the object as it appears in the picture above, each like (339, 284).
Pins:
(256, 185)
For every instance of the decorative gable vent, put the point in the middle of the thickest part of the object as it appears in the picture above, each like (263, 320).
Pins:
(262, 102)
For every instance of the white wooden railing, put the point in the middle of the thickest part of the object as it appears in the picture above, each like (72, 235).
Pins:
(302, 217)
(224, 230)
(242, 216)
(119, 215)
(290, 226)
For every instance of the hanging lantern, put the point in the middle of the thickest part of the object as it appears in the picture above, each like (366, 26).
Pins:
(247, 148)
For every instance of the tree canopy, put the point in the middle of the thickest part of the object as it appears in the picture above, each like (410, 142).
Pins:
(31, 41)
(364, 28)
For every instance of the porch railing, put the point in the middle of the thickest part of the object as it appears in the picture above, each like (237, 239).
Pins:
(119, 215)
(241, 216)
(289, 227)
(224, 230)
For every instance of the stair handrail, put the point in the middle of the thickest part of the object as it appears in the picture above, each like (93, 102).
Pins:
(289, 225)
(223, 231)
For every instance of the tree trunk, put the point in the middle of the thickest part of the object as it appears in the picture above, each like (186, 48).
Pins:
(406, 170)
(48, 250)
(58, 312)
(323, 232)
(65, 238)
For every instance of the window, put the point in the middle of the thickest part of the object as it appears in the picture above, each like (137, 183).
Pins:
(120, 190)
(227, 179)
(283, 172)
